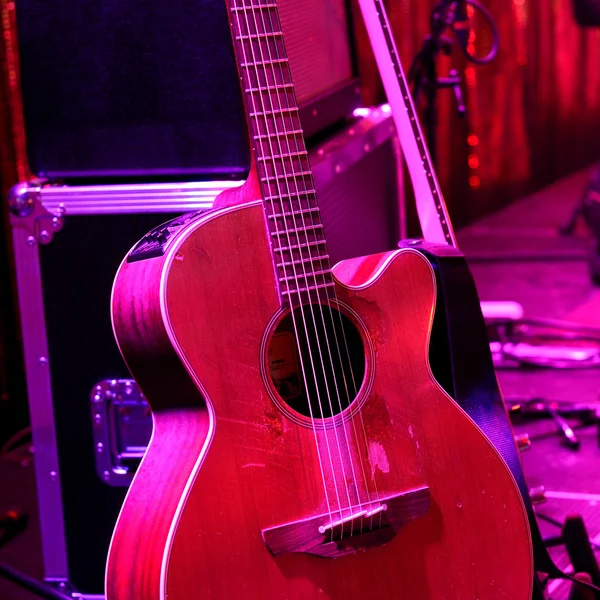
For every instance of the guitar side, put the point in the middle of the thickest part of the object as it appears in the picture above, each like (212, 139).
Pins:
(181, 420)
(224, 463)
(179, 413)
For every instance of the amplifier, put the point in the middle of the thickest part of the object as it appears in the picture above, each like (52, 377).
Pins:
(89, 425)
(132, 89)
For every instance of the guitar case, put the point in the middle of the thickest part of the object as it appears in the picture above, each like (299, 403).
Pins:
(462, 364)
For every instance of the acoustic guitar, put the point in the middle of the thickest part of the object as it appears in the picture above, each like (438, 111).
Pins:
(301, 446)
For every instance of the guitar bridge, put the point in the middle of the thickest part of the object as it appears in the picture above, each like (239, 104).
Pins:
(362, 528)
(352, 517)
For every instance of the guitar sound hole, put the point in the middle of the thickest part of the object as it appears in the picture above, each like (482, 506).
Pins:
(317, 361)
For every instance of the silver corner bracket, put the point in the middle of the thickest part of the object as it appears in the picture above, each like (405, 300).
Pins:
(28, 212)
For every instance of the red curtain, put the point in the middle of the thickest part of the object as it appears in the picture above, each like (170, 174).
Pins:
(533, 113)
(13, 408)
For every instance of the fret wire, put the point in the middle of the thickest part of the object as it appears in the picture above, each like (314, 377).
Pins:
(278, 134)
(292, 196)
(258, 36)
(293, 213)
(311, 212)
(299, 246)
(254, 7)
(276, 112)
(301, 260)
(299, 229)
(287, 155)
(263, 63)
(305, 275)
(311, 288)
(286, 175)
(279, 86)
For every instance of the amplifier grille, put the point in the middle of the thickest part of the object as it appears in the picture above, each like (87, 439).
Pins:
(127, 88)
(316, 37)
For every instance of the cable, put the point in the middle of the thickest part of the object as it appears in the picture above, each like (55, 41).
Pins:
(29, 583)
(7, 446)
(544, 343)
(487, 15)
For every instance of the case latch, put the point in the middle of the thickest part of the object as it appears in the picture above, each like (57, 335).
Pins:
(122, 426)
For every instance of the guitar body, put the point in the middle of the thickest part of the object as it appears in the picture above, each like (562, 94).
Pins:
(228, 461)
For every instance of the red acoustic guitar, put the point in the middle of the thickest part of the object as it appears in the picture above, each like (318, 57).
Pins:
(301, 447)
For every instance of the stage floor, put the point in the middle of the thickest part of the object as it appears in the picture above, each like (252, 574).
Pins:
(515, 254)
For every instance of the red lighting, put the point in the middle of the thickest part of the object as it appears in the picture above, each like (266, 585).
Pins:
(474, 181)
(473, 161)
(470, 76)
(473, 140)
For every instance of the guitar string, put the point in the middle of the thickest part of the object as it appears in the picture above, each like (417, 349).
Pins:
(296, 183)
(416, 128)
(248, 82)
(286, 180)
(364, 431)
(339, 355)
(355, 390)
(351, 398)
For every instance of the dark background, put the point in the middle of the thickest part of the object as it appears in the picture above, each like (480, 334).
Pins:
(535, 109)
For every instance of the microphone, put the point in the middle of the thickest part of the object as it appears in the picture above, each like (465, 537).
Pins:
(461, 23)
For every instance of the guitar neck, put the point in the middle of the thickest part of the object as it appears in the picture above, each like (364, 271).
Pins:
(279, 152)
(433, 214)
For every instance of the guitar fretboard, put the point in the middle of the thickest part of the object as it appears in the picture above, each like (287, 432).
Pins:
(286, 182)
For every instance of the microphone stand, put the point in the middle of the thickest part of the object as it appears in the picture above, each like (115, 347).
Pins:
(423, 72)
(445, 15)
